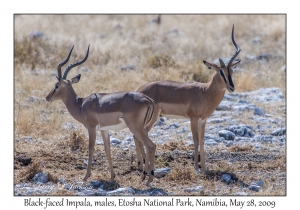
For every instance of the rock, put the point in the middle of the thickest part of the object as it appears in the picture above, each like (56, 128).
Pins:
(189, 136)
(129, 67)
(279, 132)
(240, 194)
(264, 138)
(183, 130)
(226, 134)
(215, 120)
(174, 31)
(70, 126)
(128, 139)
(194, 189)
(24, 160)
(61, 180)
(87, 192)
(121, 191)
(101, 192)
(259, 111)
(224, 106)
(36, 34)
(161, 172)
(85, 69)
(283, 68)
(67, 186)
(41, 177)
(35, 99)
(255, 40)
(226, 178)
(210, 142)
(95, 184)
(115, 140)
(189, 143)
(28, 139)
(254, 187)
(86, 161)
(260, 183)
(172, 126)
(160, 122)
(99, 142)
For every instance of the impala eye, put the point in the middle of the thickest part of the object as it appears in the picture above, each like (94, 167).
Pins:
(56, 86)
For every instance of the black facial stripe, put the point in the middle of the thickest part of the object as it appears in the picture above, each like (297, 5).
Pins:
(222, 74)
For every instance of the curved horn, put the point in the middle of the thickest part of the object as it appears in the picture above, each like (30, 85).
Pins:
(63, 63)
(75, 64)
(238, 49)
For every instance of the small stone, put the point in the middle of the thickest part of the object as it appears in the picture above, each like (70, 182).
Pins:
(67, 186)
(160, 122)
(88, 192)
(194, 190)
(101, 192)
(210, 142)
(61, 180)
(254, 188)
(115, 140)
(161, 172)
(279, 132)
(227, 134)
(122, 191)
(24, 160)
(260, 183)
(95, 184)
(240, 194)
(129, 67)
(189, 136)
(259, 111)
(226, 178)
(35, 99)
(99, 142)
(41, 177)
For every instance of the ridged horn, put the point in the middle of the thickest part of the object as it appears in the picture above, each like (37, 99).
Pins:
(75, 64)
(238, 49)
(63, 63)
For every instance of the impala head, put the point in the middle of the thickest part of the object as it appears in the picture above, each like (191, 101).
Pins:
(62, 85)
(225, 71)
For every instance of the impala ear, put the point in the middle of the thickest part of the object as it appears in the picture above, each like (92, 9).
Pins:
(235, 63)
(75, 79)
(211, 65)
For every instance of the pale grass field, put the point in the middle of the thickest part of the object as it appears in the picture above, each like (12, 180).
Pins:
(121, 40)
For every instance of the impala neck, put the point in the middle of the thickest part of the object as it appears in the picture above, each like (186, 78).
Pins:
(216, 89)
(72, 103)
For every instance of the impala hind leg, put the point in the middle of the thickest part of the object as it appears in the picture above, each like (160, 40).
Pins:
(106, 139)
(142, 136)
(140, 152)
(194, 128)
(92, 139)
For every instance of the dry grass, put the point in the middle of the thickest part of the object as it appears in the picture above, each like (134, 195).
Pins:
(158, 53)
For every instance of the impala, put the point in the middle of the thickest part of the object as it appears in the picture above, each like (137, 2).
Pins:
(107, 111)
(193, 100)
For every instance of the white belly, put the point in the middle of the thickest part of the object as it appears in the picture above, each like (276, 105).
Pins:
(174, 116)
(119, 126)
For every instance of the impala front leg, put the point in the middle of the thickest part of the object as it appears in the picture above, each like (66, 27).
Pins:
(201, 129)
(194, 128)
(106, 139)
(92, 139)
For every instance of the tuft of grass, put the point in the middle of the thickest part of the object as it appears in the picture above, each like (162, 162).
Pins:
(181, 174)
(77, 141)
(30, 171)
(161, 61)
